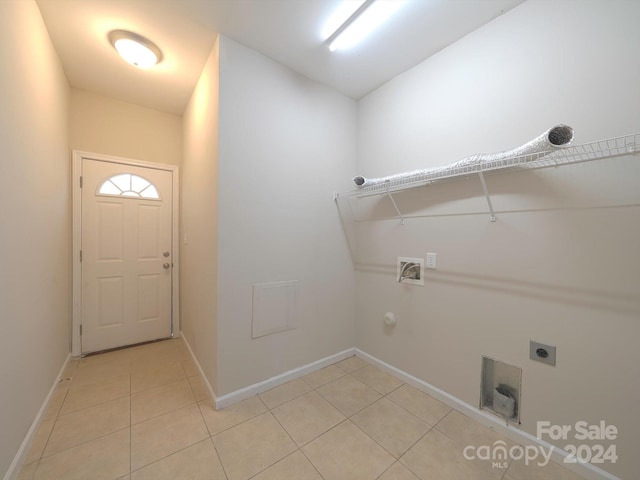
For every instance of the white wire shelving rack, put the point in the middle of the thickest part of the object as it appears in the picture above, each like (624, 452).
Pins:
(598, 150)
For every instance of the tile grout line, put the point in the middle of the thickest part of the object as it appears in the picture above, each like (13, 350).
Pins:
(55, 422)
(431, 427)
(95, 405)
(196, 404)
(504, 471)
(81, 444)
(169, 455)
(299, 448)
(130, 431)
(174, 452)
(206, 426)
(59, 415)
(193, 404)
(290, 437)
(312, 464)
(235, 425)
(346, 419)
(215, 449)
(349, 418)
(395, 460)
(290, 399)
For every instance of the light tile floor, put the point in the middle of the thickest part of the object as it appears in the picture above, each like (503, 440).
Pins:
(144, 413)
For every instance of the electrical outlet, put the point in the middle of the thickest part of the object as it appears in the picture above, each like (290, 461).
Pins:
(542, 353)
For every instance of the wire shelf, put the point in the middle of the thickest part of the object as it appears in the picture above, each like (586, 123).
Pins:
(601, 149)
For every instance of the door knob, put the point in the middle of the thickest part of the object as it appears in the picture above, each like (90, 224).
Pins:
(166, 265)
(165, 254)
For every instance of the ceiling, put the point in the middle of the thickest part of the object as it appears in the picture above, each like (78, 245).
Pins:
(288, 31)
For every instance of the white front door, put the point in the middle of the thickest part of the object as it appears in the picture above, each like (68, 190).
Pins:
(126, 254)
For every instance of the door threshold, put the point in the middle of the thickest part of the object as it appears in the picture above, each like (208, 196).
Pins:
(115, 349)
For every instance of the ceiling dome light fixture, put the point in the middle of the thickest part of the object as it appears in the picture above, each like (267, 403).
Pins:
(135, 49)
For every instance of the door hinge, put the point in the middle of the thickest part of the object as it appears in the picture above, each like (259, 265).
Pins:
(80, 255)
(80, 182)
(80, 329)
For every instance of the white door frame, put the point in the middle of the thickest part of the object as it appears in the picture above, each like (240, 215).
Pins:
(76, 173)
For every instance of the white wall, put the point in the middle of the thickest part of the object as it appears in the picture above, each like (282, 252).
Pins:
(286, 143)
(199, 220)
(568, 273)
(104, 125)
(36, 228)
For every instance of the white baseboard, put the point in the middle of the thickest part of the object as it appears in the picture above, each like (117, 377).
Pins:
(251, 390)
(490, 421)
(212, 394)
(272, 382)
(21, 454)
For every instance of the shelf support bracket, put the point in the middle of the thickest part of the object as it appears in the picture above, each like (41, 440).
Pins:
(486, 195)
(395, 205)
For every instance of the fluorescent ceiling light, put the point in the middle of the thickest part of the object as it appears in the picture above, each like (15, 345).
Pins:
(365, 19)
(135, 49)
(340, 15)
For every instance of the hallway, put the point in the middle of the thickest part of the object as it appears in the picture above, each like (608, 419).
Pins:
(144, 413)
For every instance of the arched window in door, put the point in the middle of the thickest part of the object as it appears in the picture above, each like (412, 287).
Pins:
(129, 185)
